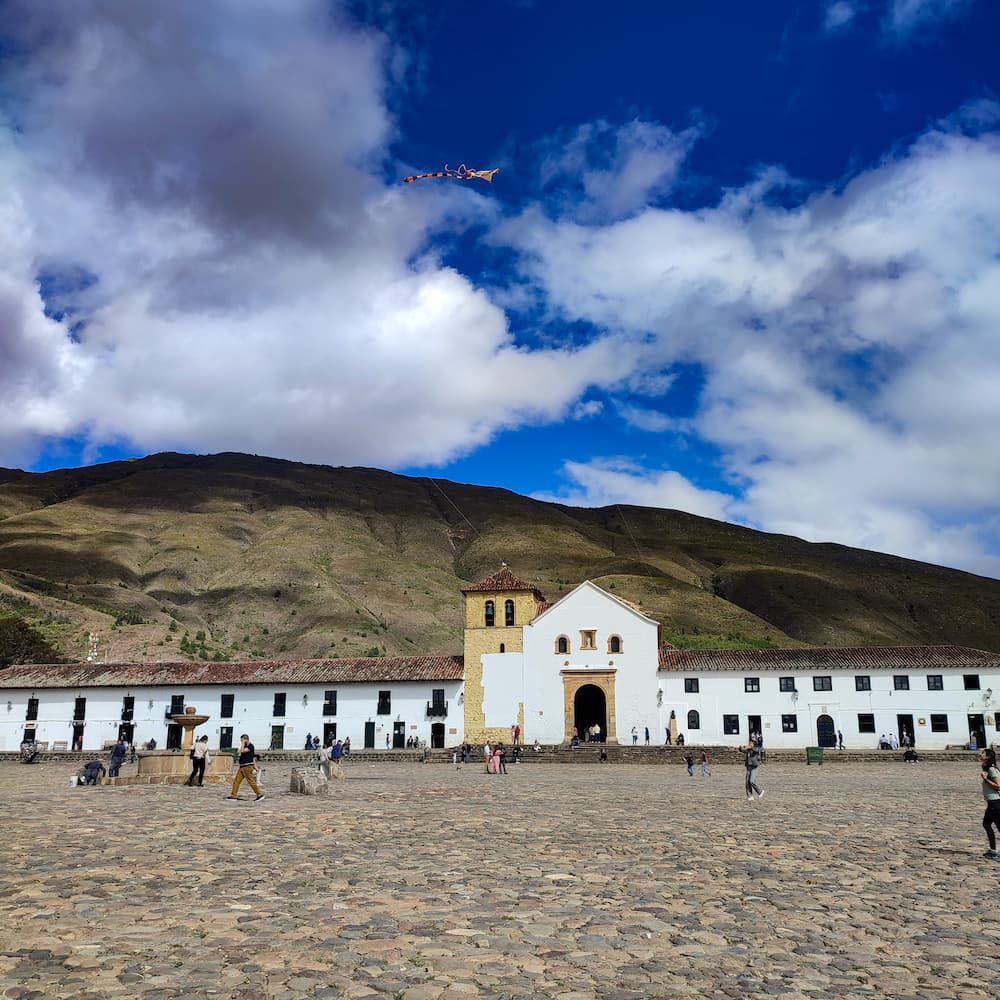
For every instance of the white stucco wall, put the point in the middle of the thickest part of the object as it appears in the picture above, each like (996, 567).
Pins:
(723, 692)
(635, 666)
(252, 712)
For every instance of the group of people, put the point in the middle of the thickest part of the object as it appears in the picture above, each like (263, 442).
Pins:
(889, 742)
(495, 757)
(314, 743)
(689, 761)
(93, 772)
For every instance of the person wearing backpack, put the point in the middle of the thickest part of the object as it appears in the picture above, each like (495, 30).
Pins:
(751, 759)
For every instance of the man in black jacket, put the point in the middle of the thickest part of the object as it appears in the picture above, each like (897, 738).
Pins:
(248, 757)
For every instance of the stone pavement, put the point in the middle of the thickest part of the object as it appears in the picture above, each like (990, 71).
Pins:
(430, 883)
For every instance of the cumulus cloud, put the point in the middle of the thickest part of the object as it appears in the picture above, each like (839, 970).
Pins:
(607, 172)
(849, 344)
(601, 482)
(904, 16)
(202, 184)
(838, 16)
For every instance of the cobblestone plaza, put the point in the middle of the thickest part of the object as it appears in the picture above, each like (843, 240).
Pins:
(427, 882)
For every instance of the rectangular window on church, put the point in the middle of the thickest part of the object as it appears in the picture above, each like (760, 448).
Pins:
(786, 684)
(690, 685)
(751, 685)
(384, 703)
(935, 682)
(939, 722)
(866, 722)
(789, 723)
(731, 725)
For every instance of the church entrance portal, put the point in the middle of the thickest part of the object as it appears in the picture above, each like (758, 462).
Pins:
(590, 709)
(588, 701)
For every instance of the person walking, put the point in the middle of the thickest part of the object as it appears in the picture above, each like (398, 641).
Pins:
(840, 740)
(991, 793)
(118, 752)
(689, 760)
(199, 761)
(705, 772)
(647, 735)
(751, 760)
(246, 763)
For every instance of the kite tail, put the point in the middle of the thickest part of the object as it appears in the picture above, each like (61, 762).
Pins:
(420, 177)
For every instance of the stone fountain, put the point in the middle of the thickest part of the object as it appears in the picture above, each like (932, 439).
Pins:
(188, 721)
(172, 767)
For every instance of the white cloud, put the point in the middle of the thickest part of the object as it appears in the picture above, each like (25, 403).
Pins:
(602, 482)
(212, 170)
(617, 170)
(904, 16)
(838, 16)
(849, 346)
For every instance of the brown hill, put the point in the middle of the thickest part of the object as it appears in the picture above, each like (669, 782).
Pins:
(235, 556)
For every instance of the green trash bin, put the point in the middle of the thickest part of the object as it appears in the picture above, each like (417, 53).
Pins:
(814, 755)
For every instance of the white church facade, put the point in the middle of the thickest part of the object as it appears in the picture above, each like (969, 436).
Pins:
(588, 663)
(592, 661)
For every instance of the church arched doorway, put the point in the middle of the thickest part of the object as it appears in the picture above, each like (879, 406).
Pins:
(590, 709)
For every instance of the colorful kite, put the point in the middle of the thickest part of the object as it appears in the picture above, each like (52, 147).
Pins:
(462, 173)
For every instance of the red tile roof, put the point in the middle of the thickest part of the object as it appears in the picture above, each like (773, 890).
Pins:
(825, 658)
(503, 579)
(353, 670)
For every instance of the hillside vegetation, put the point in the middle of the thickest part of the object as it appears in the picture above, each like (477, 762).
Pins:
(235, 557)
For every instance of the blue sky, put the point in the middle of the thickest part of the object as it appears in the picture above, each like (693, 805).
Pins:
(740, 259)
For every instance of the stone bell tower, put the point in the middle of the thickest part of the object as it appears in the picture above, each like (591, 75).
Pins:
(496, 611)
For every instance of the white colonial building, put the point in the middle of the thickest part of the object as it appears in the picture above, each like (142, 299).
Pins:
(278, 703)
(593, 660)
(588, 662)
(936, 696)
